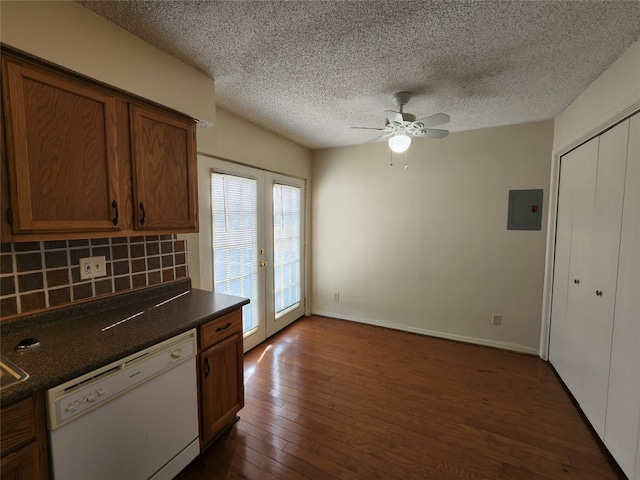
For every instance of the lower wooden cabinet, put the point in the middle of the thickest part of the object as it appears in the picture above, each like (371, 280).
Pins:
(21, 464)
(23, 440)
(220, 364)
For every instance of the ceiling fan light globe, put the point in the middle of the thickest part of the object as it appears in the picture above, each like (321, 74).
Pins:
(400, 143)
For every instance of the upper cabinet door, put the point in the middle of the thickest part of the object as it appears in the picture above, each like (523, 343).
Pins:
(61, 149)
(164, 166)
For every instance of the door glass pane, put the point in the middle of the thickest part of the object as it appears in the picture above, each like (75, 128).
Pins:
(235, 241)
(286, 248)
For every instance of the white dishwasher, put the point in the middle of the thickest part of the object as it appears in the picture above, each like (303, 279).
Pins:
(136, 418)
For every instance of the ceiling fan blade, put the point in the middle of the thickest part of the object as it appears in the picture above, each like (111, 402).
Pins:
(394, 117)
(408, 117)
(433, 120)
(431, 133)
(368, 128)
(380, 138)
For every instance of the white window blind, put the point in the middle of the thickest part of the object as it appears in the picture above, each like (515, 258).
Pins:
(235, 241)
(286, 247)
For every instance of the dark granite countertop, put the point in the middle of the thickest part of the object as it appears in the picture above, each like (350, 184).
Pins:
(79, 339)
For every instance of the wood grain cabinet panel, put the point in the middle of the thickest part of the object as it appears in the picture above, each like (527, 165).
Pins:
(21, 464)
(61, 136)
(164, 162)
(216, 330)
(83, 160)
(220, 362)
(23, 440)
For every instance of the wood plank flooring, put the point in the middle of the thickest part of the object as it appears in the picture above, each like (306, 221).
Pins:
(332, 399)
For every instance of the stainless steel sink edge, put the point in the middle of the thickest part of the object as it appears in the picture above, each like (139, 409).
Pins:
(10, 373)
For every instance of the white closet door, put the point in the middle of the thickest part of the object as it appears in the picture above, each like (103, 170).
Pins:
(560, 355)
(599, 286)
(577, 187)
(623, 408)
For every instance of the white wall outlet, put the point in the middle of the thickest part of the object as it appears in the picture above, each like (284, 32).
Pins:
(496, 319)
(336, 297)
(92, 267)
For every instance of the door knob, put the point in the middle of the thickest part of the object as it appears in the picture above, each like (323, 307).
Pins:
(576, 281)
(263, 263)
(599, 293)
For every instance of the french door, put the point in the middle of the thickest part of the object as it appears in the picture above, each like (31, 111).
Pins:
(257, 245)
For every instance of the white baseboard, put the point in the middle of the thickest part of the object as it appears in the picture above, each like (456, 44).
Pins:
(514, 347)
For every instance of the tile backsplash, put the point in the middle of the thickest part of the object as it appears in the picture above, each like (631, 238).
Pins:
(40, 275)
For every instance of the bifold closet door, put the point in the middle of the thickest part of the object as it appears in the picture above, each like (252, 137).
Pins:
(578, 171)
(623, 406)
(589, 219)
(601, 277)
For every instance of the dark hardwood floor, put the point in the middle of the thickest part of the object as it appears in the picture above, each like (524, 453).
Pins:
(332, 399)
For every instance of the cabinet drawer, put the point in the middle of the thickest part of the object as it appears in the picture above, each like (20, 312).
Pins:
(18, 424)
(220, 328)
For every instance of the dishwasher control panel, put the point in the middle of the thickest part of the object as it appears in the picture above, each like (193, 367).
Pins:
(84, 393)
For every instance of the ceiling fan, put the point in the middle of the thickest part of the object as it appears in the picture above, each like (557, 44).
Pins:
(400, 126)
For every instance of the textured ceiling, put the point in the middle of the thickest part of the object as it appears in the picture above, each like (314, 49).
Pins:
(309, 70)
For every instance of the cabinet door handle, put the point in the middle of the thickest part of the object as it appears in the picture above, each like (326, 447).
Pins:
(114, 204)
(143, 214)
(599, 293)
(219, 329)
(207, 367)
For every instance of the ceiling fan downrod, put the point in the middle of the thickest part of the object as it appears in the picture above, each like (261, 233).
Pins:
(400, 99)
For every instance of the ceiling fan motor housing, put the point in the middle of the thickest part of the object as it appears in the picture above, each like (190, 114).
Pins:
(401, 98)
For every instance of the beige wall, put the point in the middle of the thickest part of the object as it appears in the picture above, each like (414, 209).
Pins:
(244, 142)
(67, 34)
(427, 249)
(615, 92)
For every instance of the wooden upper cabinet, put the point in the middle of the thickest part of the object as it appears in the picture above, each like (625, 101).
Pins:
(164, 170)
(84, 160)
(61, 139)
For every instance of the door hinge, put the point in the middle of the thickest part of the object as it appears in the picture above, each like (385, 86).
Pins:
(9, 216)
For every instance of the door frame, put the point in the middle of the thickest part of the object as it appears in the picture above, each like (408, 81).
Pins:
(554, 186)
(199, 244)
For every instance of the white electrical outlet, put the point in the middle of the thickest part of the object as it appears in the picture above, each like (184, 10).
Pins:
(497, 319)
(336, 297)
(92, 267)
